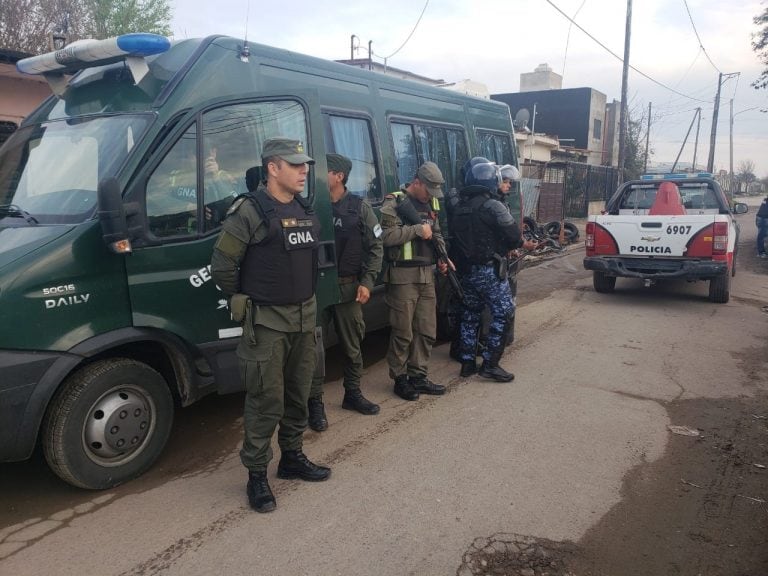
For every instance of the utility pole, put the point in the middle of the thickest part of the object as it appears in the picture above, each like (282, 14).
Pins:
(713, 134)
(731, 151)
(352, 46)
(647, 138)
(624, 77)
(696, 144)
(370, 55)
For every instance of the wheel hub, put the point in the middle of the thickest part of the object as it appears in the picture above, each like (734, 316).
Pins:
(118, 424)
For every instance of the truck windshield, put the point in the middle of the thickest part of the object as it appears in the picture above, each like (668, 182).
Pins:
(50, 171)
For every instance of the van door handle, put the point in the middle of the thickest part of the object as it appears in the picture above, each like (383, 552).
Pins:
(326, 255)
(650, 225)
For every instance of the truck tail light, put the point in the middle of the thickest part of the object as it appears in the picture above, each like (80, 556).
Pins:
(599, 241)
(709, 242)
(720, 241)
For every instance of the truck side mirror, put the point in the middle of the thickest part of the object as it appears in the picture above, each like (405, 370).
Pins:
(740, 208)
(111, 213)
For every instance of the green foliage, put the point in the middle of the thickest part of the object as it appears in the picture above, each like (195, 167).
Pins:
(760, 46)
(25, 25)
(108, 18)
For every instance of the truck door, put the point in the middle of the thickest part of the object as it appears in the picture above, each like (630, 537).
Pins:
(188, 190)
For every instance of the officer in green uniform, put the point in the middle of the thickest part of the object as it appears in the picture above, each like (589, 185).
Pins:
(266, 260)
(409, 259)
(358, 253)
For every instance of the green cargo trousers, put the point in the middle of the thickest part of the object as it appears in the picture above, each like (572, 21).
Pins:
(350, 328)
(414, 328)
(276, 368)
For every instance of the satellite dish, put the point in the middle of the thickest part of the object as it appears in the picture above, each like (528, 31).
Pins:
(521, 119)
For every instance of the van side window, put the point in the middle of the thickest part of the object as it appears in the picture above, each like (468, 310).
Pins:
(352, 137)
(416, 143)
(496, 147)
(172, 190)
(233, 137)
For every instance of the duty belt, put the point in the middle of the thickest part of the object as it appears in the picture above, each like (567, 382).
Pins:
(347, 279)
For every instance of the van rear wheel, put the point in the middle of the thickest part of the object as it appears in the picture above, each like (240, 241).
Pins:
(603, 283)
(720, 288)
(108, 423)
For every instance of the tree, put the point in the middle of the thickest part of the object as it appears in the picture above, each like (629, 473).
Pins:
(634, 147)
(25, 25)
(760, 46)
(745, 174)
(107, 18)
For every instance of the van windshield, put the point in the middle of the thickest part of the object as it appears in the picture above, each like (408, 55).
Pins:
(50, 171)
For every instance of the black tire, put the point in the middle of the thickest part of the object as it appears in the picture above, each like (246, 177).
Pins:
(603, 283)
(720, 288)
(571, 232)
(552, 229)
(530, 227)
(107, 424)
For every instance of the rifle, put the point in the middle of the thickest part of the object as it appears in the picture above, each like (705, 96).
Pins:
(410, 215)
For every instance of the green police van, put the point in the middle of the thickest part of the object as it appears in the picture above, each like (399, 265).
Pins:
(112, 194)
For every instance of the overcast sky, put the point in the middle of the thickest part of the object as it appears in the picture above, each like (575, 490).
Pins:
(494, 41)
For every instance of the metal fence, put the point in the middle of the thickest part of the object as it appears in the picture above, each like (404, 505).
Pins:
(565, 189)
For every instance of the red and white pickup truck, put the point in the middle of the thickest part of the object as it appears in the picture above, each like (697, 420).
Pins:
(665, 226)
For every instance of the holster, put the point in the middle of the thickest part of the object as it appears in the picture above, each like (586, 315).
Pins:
(238, 307)
(500, 264)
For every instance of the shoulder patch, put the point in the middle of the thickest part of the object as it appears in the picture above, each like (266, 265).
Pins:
(234, 207)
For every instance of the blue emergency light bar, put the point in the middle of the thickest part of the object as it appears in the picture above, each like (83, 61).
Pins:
(676, 176)
(87, 53)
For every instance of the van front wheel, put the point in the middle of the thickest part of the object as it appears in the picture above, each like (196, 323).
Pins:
(108, 423)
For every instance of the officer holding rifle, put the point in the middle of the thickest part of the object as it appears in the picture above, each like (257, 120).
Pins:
(413, 244)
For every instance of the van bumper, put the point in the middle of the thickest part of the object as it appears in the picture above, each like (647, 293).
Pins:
(27, 383)
(653, 268)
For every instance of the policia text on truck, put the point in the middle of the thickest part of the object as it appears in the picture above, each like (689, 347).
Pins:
(112, 195)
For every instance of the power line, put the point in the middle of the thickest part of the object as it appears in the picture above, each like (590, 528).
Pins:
(620, 59)
(409, 35)
(698, 38)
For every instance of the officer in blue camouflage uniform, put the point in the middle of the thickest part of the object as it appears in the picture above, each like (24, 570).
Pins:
(483, 234)
(266, 258)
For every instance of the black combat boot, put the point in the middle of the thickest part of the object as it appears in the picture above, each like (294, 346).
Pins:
(295, 464)
(468, 368)
(260, 496)
(491, 369)
(405, 389)
(317, 420)
(422, 385)
(354, 400)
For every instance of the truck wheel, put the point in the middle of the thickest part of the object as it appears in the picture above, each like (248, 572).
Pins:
(603, 283)
(107, 424)
(720, 288)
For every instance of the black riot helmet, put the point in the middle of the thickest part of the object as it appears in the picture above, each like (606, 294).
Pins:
(484, 174)
(468, 164)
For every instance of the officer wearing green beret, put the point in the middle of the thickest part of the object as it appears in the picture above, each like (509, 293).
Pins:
(358, 253)
(266, 258)
(409, 260)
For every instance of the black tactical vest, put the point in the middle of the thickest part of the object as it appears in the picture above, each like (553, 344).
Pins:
(348, 233)
(282, 268)
(474, 241)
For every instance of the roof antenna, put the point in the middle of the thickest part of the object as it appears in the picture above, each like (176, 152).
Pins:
(245, 52)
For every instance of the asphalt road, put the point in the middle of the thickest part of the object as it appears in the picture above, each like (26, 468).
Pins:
(418, 488)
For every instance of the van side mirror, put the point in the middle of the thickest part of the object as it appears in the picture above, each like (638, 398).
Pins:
(114, 227)
(740, 208)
